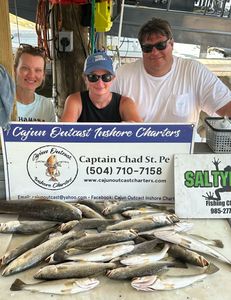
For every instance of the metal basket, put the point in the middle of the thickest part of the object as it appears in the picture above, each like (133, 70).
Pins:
(219, 140)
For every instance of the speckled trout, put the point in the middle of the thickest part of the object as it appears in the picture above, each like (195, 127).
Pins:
(33, 256)
(121, 206)
(144, 258)
(20, 249)
(129, 272)
(92, 241)
(42, 209)
(57, 287)
(191, 243)
(145, 223)
(103, 254)
(26, 227)
(164, 282)
(73, 269)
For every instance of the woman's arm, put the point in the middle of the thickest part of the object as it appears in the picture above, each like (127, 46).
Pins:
(72, 108)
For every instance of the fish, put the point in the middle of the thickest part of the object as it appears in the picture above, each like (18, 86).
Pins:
(191, 243)
(187, 255)
(103, 254)
(42, 209)
(145, 247)
(177, 227)
(96, 206)
(142, 211)
(215, 243)
(121, 206)
(57, 287)
(35, 255)
(72, 269)
(88, 212)
(144, 258)
(92, 241)
(132, 271)
(20, 249)
(26, 227)
(145, 223)
(95, 223)
(65, 227)
(166, 282)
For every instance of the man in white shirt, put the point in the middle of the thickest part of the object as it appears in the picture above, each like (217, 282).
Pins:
(169, 89)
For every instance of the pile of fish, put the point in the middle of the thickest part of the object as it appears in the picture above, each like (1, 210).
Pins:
(75, 242)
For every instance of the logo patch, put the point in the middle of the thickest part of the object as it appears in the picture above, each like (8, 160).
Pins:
(52, 167)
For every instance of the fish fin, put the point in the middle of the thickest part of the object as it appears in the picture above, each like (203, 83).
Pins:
(211, 269)
(175, 263)
(163, 271)
(17, 285)
(59, 256)
(79, 230)
(218, 243)
(101, 228)
(179, 264)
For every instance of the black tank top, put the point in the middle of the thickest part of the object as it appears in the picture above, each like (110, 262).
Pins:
(90, 113)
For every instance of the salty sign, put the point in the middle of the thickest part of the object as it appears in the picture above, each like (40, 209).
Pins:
(203, 186)
(71, 161)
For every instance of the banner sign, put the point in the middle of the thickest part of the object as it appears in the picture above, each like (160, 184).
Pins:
(71, 161)
(203, 185)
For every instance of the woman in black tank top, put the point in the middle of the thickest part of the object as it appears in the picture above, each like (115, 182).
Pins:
(98, 103)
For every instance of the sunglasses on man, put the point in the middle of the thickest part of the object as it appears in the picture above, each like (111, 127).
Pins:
(105, 77)
(147, 48)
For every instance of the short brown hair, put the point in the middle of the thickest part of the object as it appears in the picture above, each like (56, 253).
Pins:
(155, 26)
(26, 48)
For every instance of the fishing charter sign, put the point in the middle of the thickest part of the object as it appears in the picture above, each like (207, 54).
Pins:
(203, 185)
(92, 161)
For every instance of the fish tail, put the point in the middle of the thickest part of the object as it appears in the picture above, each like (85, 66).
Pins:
(218, 243)
(17, 285)
(211, 269)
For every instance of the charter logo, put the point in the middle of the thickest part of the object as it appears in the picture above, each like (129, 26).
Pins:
(218, 179)
(52, 167)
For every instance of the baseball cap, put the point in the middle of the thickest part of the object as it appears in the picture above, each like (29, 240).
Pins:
(98, 61)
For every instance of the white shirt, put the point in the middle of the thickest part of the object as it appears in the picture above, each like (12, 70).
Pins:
(40, 110)
(178, 96)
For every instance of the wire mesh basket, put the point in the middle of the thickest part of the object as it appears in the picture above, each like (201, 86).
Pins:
(219, 140)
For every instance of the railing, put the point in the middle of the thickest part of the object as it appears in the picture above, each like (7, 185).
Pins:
(202, 22)
(217, 8)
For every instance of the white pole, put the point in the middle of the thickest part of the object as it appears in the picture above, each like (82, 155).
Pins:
(121, 22)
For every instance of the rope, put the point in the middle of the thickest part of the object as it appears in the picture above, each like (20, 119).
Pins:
(16, 14)
(92, 31)
(43, 24)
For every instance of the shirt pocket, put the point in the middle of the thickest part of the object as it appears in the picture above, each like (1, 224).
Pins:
(182, 105)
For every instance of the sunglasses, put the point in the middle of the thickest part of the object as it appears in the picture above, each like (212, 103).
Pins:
(147, 48)
(32, 49)
(105, 77)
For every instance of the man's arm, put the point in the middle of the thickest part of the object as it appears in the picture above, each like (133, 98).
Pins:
(128, 110)
(225, 110)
